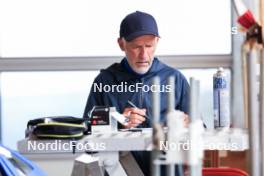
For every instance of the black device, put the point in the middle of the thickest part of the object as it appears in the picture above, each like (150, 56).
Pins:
(99, 115)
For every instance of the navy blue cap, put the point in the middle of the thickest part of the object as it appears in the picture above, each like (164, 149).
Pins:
(137, 24)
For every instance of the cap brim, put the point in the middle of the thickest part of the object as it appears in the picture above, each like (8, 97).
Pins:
(138, 34)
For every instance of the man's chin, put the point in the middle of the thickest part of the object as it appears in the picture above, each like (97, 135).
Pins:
(141, 71)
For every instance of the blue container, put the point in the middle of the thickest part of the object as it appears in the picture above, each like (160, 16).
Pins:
(14, 164)
(221, 100)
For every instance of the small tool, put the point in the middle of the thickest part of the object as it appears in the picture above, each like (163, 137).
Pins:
(134, 106)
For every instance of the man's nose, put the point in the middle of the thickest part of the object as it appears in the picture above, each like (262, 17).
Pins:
(143, 53)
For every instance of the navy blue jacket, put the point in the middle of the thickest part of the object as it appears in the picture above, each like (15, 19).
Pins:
(122, 74)
(119, 74)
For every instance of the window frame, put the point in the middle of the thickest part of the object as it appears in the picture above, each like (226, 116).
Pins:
(95, 63)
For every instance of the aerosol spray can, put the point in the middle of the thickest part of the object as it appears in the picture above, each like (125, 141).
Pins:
(221, 99)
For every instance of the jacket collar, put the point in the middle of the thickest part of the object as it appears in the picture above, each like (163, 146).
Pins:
(123, 72)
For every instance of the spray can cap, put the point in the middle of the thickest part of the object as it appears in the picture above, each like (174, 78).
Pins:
(220, 69)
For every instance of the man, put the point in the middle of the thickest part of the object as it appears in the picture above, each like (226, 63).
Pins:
(138, 39)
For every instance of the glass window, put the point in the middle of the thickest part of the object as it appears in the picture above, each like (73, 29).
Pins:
(205, 76)
(90, 28)
(29, 95)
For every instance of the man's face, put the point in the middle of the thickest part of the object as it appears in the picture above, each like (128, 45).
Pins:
(139, 52)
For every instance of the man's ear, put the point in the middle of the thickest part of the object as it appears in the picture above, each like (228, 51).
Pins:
(121, 43)
(158, 39)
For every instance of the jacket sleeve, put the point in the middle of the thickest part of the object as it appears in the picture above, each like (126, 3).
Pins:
(95, 98)
(183, 103)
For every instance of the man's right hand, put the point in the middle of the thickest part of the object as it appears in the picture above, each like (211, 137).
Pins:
(135, 116)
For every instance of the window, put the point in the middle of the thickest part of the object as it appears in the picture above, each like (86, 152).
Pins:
(63, 35)
(29, 95)
(90, 28)
(205, 76)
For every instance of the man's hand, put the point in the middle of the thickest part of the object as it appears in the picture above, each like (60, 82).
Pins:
(186, 121)
(135, 115)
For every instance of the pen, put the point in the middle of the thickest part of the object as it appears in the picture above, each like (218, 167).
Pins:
(134, 106)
